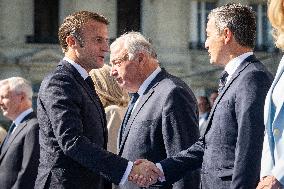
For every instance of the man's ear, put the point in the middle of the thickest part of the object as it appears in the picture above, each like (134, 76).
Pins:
(228, 35)
(141, 57)
(71, 41)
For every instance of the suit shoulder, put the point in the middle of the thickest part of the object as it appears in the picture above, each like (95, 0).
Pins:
(173, 82)
(174, 85)
(258, 67)
(32, 124)
(258, 71)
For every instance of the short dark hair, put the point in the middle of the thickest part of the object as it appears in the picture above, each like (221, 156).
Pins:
(240, 19)
(73, 24)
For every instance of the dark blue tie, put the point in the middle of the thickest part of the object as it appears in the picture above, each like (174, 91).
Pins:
(90, 82)
(12, 127)
(222, 81)
(134, 97)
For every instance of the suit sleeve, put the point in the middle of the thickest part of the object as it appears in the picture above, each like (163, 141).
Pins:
(180, 131)
(62, 101)
(249, 114)
(27, 175)
(266, 160)
(277, 170)
(187, 160)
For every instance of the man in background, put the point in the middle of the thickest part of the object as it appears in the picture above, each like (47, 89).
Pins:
(213, 97)
(19, 157)
(204, 110)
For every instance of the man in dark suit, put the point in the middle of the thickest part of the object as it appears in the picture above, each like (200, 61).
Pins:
(73, 132)
(19, 157)
(204, 110)
(163, 120)
(229, 152)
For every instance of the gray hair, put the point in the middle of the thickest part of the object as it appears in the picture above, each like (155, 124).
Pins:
(240, 19)
(18, 85)
(134, 42)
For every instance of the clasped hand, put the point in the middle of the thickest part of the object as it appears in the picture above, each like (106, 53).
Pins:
(144, 173)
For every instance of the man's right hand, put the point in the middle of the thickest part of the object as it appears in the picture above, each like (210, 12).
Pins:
(144, 173)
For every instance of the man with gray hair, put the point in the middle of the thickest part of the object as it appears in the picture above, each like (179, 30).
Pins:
(229, 151)
(161, 119)
(19, 157)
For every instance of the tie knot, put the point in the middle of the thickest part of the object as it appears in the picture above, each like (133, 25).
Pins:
(12, 127)
(90, 82)
(223, 80)
(134, 97)
(224, 75)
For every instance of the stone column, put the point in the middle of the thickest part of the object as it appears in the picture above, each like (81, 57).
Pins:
(166, 23)
(16, 20)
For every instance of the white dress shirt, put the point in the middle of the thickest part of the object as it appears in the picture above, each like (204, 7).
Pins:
(233, 64)
(79, 68)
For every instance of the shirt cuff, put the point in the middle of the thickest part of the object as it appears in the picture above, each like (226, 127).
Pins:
(126, 173)
(161, 179)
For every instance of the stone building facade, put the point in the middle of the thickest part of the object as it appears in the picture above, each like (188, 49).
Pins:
(29, 45)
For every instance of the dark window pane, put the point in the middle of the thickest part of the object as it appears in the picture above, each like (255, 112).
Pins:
(45, 22)
(128, 14)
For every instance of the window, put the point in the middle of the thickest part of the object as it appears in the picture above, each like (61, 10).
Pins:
(45, 22)
(128, 16)
(200, 11)
(264, 39)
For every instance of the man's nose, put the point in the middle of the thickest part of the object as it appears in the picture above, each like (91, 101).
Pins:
(105, 47)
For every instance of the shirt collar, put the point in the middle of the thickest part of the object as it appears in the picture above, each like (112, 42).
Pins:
(203, 115)
(233, 64)
(146, 83)
(79, 68)
(20, 118)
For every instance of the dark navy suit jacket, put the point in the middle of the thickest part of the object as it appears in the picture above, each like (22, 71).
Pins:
(73, 134)
(163, 123)
(230, 150)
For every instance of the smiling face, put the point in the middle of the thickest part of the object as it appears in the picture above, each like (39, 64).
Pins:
(91, 52)
(215, 43)
(10, 102)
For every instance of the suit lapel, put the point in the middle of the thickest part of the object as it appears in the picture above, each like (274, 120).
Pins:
(277, 77)
(235, 75)
(90, 92)
(142, 101)
(18, 129)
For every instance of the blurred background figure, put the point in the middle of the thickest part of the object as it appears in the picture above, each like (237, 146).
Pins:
(204, 110)
(19, 152)
(3, 133)
(114, 100)
(213, 97)
(272, 162)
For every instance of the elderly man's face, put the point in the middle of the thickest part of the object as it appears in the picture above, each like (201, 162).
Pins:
(9, 102)
(126, 72)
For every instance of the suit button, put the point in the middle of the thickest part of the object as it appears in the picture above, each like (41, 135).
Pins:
(276, 132)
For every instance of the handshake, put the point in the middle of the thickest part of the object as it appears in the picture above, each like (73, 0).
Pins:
(145, 173)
